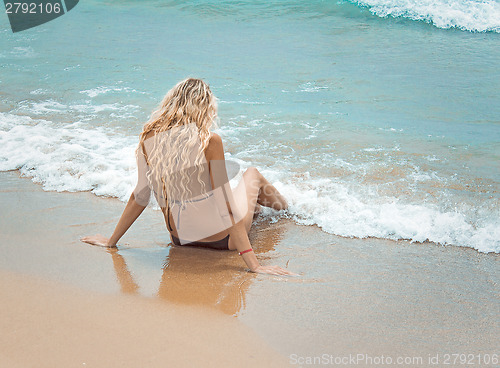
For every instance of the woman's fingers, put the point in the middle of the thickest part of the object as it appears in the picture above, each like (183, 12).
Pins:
(98, 240)
(275, 270)
(282, 271)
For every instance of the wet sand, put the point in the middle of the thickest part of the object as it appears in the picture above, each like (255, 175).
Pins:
(355, 296)
(46, 324)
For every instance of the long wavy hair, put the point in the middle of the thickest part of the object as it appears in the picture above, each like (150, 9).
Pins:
(181, 127)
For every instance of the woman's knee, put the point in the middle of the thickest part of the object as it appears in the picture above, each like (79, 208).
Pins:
(253, 172)
(253, 176)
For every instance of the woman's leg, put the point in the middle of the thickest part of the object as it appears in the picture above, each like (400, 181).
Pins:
(259, 190)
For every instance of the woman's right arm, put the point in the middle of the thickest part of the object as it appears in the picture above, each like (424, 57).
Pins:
(237, 232)
(240, 236)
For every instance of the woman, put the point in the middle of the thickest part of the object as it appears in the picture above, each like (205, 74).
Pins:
(182, 162)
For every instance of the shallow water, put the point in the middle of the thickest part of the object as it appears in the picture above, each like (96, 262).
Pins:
(372, 126)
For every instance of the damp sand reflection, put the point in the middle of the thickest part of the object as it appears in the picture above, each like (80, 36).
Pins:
(186, 278)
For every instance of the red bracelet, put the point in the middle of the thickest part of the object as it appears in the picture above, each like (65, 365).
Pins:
(245, 251)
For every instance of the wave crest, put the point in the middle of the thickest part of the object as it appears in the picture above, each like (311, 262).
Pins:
(469, 15)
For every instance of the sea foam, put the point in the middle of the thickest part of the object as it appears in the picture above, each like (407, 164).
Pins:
(470, 15)
(73, 157)
(68, 157)
(338, 210)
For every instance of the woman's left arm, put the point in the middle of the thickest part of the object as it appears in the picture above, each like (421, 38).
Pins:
(137, 202)
(131, 212)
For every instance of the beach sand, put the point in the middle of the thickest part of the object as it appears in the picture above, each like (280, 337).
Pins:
(65, 303)
(45, 324)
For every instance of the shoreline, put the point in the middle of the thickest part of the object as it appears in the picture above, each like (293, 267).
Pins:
(370, 296)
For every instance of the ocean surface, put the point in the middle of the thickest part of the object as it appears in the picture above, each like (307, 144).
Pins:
(375, 118)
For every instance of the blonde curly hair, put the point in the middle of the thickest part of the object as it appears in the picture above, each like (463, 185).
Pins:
(189, 109)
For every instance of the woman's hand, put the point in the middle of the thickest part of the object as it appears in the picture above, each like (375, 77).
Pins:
(274, 270)
(131, 212)
(98, 240)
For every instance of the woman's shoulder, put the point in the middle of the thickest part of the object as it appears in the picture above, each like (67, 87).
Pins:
(214, 149)
(150, 134)
(215, 139)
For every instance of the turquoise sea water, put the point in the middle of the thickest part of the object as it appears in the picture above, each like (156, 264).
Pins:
(374, 119)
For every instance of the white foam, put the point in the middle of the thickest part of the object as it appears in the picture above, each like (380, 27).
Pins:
(82, 110)
(242, 102)
(94, 92)
(71, 67)
(311, 87)
(39, 91)
(68, 157)
(19, 52)
(43, 107)
(347, 211)
(470, 15)
(74, 157)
